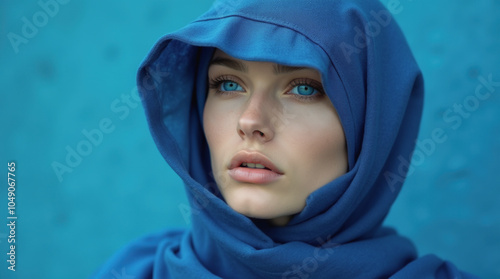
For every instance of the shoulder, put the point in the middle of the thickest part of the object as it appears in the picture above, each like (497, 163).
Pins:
(137, 259)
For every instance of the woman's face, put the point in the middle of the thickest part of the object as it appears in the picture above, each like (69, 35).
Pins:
(274, 136)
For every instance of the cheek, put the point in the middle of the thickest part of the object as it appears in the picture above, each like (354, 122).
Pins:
(217, 123)
(316, 140)
(211, 117)
(315, 128)
(327, 136)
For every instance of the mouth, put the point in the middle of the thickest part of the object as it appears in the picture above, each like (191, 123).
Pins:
(253, 167)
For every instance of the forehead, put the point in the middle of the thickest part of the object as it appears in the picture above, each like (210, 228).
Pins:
(221, 58)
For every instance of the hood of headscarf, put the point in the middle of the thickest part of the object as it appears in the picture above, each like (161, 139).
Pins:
(371, 77)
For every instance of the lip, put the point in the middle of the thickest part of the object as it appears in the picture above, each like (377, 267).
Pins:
(249, 175)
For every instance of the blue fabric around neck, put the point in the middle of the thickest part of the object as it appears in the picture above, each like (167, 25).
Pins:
(372, 79)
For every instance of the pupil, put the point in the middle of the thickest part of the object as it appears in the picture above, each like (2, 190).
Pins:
(229, 86)
(304, 89)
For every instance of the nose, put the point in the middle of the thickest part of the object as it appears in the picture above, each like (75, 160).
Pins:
(255, 121)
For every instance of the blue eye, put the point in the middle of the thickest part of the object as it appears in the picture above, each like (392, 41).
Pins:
(304, 90)
(230, 86)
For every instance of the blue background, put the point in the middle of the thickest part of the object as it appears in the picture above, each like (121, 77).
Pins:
(82, 62)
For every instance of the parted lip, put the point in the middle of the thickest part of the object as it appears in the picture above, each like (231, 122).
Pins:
(253, 157)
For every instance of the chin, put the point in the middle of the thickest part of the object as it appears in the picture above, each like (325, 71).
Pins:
(253, 209)
(262, 205)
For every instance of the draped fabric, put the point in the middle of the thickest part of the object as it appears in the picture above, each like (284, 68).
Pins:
(371, 77)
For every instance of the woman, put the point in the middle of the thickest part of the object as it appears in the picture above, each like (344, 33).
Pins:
(285, 120)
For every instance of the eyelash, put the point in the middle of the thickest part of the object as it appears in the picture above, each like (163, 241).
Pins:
(216, 83)
(311, 83)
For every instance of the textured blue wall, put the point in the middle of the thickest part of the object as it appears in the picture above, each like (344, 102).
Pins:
(76, 72)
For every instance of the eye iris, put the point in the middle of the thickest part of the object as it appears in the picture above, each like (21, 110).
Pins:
(229, 86)
(305, 90)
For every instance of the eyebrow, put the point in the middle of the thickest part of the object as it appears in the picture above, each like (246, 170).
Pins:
(230, 63)
(282, 69)
(238, 66)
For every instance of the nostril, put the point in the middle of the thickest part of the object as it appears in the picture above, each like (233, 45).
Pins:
(258, 133)
(255, 133)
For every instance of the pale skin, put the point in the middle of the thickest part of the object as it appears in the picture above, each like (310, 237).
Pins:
(277, 112)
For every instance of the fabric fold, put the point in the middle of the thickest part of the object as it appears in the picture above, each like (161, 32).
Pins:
(374, 83)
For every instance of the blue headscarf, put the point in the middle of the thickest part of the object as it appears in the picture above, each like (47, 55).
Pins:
(372, 79)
